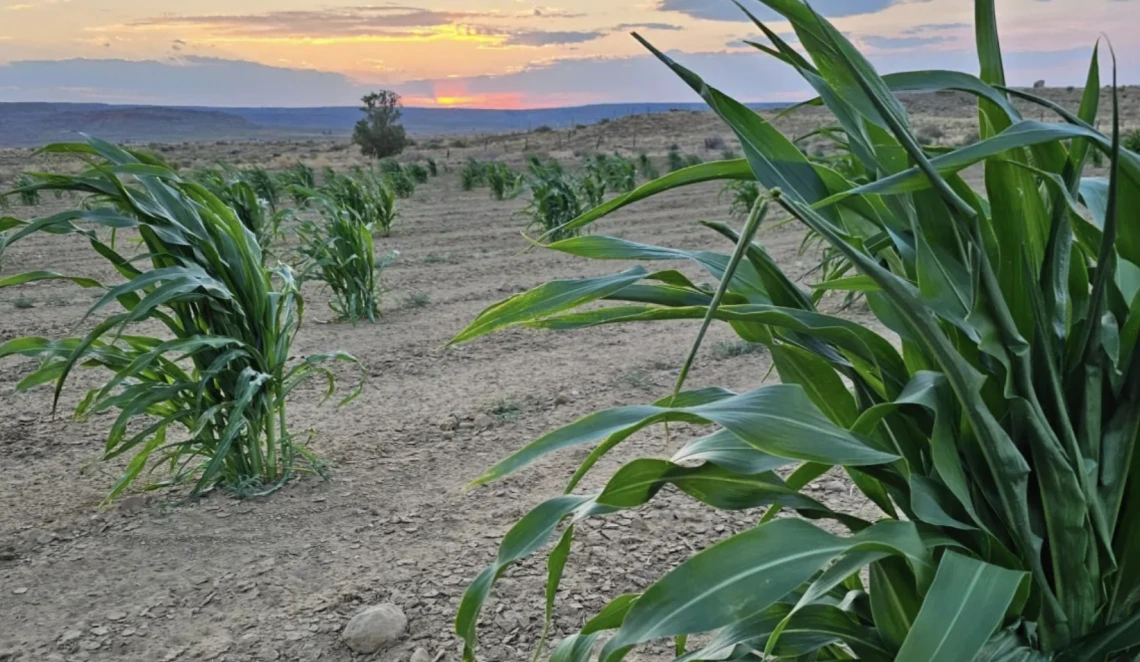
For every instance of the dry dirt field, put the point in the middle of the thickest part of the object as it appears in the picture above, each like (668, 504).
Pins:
(156, 578)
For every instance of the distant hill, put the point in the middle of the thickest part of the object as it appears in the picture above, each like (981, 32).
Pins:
(35, 124)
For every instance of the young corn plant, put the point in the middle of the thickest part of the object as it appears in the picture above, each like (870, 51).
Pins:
(255, 212)
(300, 181)
(339, 251)
(994, 428)
(473, 175)
(617, 172)
(501, 179)
(742, 197)
(418, 172)
(363, 195)
(206, 402)
(556, 198)
(645, 167)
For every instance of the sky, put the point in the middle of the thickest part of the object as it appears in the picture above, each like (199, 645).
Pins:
(501, 53)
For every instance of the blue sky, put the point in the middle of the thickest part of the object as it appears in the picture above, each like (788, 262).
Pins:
(497, 53)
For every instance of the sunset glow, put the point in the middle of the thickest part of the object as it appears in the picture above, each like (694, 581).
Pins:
(494, 53)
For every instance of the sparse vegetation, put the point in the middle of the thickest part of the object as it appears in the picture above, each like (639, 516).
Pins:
(224, 371)
(676, 161)
(724, 350)
(1132, 141)
(23, 303)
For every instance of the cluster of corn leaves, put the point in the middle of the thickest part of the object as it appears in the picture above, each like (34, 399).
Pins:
(252, 194)
(207, 402)
(339, 249)
(998, 443)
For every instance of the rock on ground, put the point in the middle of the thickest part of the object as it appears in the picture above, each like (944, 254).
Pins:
(375, 628)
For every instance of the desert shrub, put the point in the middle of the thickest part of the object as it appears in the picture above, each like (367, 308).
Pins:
(473, 175)
(501, 179)
(458, 143)
(646, 168)
(207, 402)
(543, 129)
(675, 160)
(992, 430)
(714, 143)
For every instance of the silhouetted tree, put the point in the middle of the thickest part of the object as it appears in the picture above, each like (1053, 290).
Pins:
(380, 134)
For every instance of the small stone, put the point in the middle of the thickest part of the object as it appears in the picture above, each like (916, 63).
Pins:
(116, 616)
(100, 631)
(267, 654)
(375, 628)
(421, 655)
(45, 537)
(484, 422)
(70, 636)
(21, 590)
(8, 553)
(133, 503)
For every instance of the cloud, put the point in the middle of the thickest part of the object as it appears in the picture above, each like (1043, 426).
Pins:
(726, 10)
(542, 38)
(188, 80)
(895, 43)
(342, 21)
(625, 27)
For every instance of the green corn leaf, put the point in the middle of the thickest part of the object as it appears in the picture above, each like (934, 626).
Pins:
(961, 611)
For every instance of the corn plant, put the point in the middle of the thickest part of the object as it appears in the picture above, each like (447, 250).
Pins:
(255, 212)
(418, 172)
(339, 251)
(207, 401)
(645, 167)
(742, 197)
(362, 195)
(264, 184)
(556, 198)
(397, 178)
(26, 190)
(675, 160)
(299, 180)
(1132, 140)
(618, 173)
(993, 430)
(501, 179)
(473, 175)
(432, 167)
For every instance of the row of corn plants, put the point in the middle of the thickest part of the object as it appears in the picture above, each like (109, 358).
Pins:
(339, 249)
(990, 413)
(205, 402)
